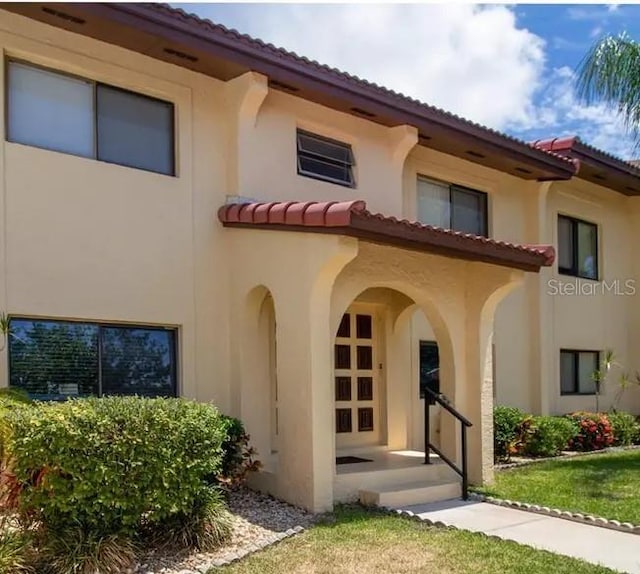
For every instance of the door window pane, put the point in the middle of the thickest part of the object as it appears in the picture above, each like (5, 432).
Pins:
(134, 130)
(50, 110)
(364, 357)
(137, 362)
(467, 214)
(433, 203)
(53, 360)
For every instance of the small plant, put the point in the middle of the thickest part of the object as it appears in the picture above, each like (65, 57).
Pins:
(594, 431)
(550, 435)
(511, 428)
(74, 551)
(624, 427)
(205, 528)
(238, 456)
(601, 374)
(16, 548)
(626, 382)
(4, 329)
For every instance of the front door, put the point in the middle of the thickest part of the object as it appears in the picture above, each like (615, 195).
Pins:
(356, 379)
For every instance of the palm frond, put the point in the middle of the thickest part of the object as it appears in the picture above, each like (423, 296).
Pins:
(610, 74)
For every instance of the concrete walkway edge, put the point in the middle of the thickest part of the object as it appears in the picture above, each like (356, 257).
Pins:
(611, 548)
(558, 513)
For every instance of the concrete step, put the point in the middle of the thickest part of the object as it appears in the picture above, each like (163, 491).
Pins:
(411, 493)
(348, 485)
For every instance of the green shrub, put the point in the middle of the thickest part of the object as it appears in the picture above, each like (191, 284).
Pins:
(510, 430)
(550, 435)
(112, 465)
(12, 396)
(624, 428)
(594, 431)
(238, 456)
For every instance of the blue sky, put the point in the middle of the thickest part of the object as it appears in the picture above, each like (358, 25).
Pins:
(509, 67)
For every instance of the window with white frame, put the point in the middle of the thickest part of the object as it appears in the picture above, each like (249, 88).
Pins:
(577, 372)
(326, 159)
(451, 206)
(56, 111)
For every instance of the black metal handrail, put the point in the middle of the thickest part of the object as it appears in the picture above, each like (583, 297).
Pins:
(428, 447)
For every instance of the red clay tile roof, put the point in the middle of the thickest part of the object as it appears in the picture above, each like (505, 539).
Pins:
(604, 168)
(213, 28)
(353, 219)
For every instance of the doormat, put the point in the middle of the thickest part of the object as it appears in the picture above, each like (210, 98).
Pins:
(351, 459)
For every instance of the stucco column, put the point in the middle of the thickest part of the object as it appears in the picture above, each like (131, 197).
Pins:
(540, 231)
(305, 437)
(474, 368)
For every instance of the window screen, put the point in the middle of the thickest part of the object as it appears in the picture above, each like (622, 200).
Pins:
(63, 113)
(434, 205)
(451, 207)
(50, 110)
(577, 370)
(322, 158)
(134, 130)
(577, 248)
(58, 359)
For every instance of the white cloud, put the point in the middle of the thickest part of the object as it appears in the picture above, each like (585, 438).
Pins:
(471, 60)
(559, 112)
(597, 13)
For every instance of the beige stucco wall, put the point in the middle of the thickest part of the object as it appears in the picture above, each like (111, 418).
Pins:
(532, 324)
(86, 240)
(82, 239)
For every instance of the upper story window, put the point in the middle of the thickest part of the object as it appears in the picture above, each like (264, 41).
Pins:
(577, 247)
(64, 113)
(451, 207)
(325, 159)
(60, 359)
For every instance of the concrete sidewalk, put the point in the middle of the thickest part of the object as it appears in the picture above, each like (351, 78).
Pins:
(617, 550)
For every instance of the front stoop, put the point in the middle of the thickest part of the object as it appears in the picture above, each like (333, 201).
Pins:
(411, 493)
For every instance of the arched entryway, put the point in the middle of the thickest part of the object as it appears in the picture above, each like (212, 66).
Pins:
(379, 363)
(259, 384)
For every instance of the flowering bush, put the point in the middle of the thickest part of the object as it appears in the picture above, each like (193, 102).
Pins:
(594, 431)
(511, 427)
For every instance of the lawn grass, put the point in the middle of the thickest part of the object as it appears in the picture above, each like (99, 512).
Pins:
(606, 485)
(357, 541)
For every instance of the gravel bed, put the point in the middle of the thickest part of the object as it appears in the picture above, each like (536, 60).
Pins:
(258, 520)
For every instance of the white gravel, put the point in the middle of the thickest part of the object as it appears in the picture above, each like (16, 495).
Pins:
(258, 520)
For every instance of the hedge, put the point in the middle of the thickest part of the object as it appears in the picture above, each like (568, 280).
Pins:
(115, 464)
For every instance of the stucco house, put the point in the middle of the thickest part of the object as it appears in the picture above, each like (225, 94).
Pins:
(189, 211)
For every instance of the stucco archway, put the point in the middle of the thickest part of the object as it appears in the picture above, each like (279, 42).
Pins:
(258, 385)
